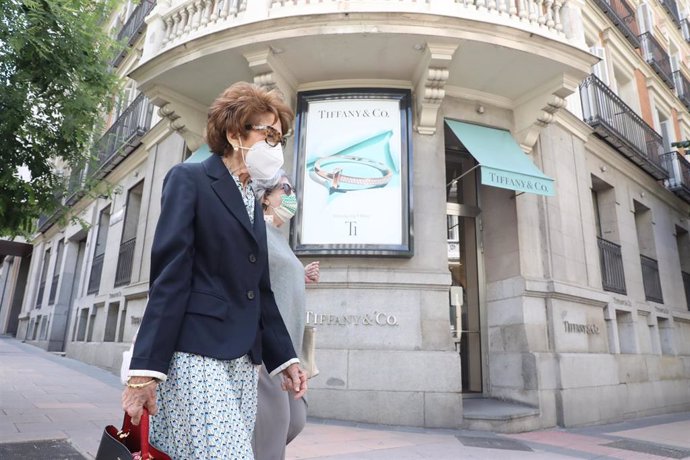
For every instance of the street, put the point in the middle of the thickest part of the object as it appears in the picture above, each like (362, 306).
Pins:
(55, 407)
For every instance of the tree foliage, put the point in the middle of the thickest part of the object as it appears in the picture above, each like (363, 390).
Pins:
(55, 84)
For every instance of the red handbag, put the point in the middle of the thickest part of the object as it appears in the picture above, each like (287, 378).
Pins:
(131, 442)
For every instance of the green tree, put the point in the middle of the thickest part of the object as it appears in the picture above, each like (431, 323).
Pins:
(55, 85)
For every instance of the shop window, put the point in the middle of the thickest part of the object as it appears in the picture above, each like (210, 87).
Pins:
(666, 337)
(92, 320)
(83, 320)
(123, 319)
(111, 322)
(644, 333)
(626, 331)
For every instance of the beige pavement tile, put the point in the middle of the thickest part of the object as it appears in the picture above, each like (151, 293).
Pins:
(675, 434)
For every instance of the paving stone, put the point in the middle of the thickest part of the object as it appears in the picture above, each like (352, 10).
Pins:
(40, 450)
(650, 448)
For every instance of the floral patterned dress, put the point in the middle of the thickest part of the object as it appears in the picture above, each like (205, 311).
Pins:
(207, 407)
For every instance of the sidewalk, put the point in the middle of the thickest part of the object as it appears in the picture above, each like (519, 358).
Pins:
(48, 397)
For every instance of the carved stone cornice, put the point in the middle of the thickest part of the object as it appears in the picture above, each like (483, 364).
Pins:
(537, 109)
(270, 73)
(430, 81)
(184, 116)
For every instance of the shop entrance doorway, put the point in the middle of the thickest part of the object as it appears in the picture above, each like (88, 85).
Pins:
(462, 213)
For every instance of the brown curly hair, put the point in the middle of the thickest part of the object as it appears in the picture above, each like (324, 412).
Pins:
(235, 108)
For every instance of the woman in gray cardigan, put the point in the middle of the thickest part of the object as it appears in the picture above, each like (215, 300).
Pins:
(280, 417)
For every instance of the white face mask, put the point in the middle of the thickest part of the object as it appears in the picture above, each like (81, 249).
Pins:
(262, 160)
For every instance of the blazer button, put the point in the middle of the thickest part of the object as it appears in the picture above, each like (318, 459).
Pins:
(252, 258)
(250, 295)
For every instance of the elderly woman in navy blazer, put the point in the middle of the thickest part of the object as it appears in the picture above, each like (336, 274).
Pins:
(211, 318)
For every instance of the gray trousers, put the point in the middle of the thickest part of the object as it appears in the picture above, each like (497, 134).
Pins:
(279, 418)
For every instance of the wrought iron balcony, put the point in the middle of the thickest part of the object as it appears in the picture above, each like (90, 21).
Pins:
(678, 169)
(614, 121)
(122, 138)
(650, 279)
(611, 261)
(623, 17)
(657, 57)
(686, 286)
(682, 88)
(123, 273)
(133, 28)
(96, 272)
(672, 8)
(685, 28)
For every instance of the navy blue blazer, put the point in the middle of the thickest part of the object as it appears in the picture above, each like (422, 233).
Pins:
(209, 291)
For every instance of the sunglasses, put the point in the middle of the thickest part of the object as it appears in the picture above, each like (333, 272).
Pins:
(273, 136)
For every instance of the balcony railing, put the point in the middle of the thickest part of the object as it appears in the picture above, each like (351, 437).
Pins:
(41, 290)
(123, 273)
(53, 289)
(657, 57)
(686, 286)
(95, 277)
(672, 8)
(623, 17)
(184, 20)
(650, 279)
(123, 137)
(614, 121)
(685, 28)
(682, 88)
(611, 261)
(133, 28)
(678, 169)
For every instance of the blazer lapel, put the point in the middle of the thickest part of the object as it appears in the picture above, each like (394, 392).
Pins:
(225, 187)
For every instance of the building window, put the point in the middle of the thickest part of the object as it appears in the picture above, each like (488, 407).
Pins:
(123, 273)
(83, 319)
(648, 262)
(56, 272)
(683, 244)
(99, 252)
(42, 283)
(111, 322)
(606, 227)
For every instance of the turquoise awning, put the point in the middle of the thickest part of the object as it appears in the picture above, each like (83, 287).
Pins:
(502, 161)
(199, 154)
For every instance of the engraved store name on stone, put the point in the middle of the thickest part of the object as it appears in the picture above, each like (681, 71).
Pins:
(374, 319)
(581, 328)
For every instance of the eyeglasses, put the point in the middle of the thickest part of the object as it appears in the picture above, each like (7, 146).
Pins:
(287, 188)
(273, 136)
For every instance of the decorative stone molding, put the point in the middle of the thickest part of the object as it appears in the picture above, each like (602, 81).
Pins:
(270, 73)
(430, 81)
(185, 116)
(537, 109)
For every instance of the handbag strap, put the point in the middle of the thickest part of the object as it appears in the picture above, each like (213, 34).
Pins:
(143, 428)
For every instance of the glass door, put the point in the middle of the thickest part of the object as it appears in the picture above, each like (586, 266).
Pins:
(461, 215)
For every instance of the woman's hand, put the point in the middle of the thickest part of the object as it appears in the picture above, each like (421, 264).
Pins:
(135, 399)
(295, 380)
(311, 272)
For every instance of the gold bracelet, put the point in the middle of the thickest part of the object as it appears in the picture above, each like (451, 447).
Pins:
(139, 385)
